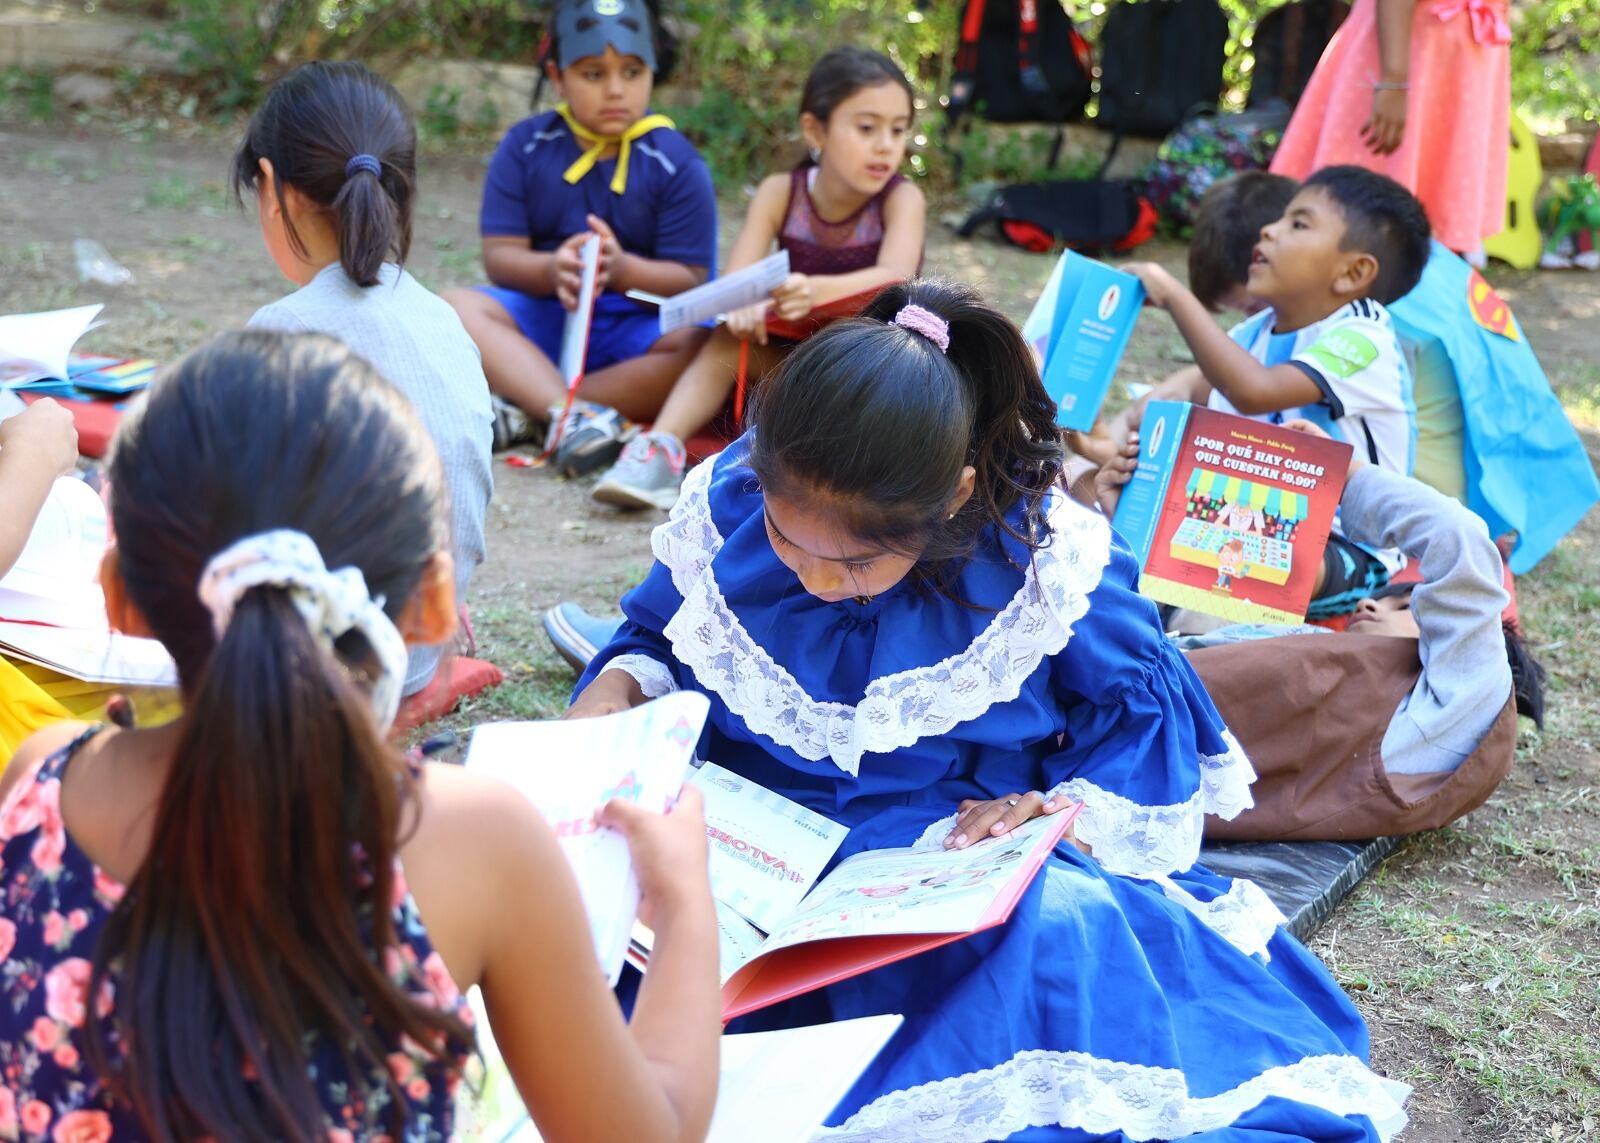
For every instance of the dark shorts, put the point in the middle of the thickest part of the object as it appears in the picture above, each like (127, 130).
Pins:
(620, 331)
(1351, 574)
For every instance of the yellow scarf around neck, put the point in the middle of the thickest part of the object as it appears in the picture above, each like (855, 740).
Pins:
(623, 142)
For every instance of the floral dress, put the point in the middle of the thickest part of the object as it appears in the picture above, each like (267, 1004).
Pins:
(53, 904)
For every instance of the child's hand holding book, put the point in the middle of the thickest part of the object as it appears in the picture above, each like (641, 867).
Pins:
(669, 854)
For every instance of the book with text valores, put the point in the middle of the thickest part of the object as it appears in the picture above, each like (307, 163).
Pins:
(569, 770)
(872, 909)
(1091, 310)
(1229, 516)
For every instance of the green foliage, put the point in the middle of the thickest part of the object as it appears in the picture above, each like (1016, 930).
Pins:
(232, 50)
(1555, 58)
(27, 94)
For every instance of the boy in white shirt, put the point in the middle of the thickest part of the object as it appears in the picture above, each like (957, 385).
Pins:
(1324, 350)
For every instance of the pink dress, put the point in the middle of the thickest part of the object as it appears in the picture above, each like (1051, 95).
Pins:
(1457, 136)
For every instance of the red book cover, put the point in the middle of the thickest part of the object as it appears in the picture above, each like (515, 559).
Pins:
(1231, 515)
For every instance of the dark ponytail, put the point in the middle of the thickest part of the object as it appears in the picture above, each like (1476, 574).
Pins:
(263, 912)
(314, 126)
(881, 421)
(1527, 675)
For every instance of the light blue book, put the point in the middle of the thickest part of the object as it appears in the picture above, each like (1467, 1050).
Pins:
(1094, 311)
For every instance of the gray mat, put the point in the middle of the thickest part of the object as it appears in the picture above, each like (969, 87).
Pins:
(1305, 879)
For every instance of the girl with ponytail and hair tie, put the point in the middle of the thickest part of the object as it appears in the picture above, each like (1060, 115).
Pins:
(903, 622)
(256, 922)
(331, 157)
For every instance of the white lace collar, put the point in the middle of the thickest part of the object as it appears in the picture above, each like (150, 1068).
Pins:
(899, 709)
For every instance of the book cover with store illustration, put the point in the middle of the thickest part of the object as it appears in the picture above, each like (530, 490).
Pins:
(1229, 516)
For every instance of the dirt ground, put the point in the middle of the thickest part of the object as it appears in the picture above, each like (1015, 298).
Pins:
(1474, 953)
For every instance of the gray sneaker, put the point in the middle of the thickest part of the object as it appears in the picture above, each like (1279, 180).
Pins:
(647, 475)
(511, 426)
(590, 438)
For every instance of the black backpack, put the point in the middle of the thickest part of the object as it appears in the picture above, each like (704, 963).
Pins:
(1160, 60)
(1287, 44)
(1084, 214)
(1019, 61)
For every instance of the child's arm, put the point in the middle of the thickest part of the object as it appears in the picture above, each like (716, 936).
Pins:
(1249, 386)
(508, 262)
(36, 446)
(904, 222)
(582, 1070)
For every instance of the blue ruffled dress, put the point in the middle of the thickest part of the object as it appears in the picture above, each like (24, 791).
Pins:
(1132, 995)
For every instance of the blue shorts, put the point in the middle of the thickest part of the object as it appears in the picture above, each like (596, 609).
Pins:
(620, 331)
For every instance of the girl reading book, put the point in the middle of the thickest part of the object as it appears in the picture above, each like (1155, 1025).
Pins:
(851, 224)
(256, 922)
(903, 622)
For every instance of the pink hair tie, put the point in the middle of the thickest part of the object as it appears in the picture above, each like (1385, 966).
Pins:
(929, 324)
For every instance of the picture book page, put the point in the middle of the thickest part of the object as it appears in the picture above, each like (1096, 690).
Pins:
(766, 850)
(55, 578)
(571, 769)
(730, 292)
(903, 891)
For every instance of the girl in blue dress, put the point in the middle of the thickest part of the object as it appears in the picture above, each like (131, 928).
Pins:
(904, 623)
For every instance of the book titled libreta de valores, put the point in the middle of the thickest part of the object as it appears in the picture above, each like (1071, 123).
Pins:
(1230, 516)
(780, 935)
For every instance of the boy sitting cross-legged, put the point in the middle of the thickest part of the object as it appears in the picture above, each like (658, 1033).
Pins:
(1325, 348)
(600, 164)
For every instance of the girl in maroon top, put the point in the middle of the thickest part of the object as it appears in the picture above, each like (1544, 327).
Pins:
(851, 224)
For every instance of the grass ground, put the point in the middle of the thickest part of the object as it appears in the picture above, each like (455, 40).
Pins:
(1474, 953)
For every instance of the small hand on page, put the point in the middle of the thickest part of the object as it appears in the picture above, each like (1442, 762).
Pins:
(976, 820)
(749, 323)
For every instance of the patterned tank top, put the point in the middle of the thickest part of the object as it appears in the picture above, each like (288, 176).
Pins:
(54, 905)
(817, 246)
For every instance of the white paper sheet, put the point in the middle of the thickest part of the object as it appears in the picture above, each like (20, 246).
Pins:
(776, 1087)
(570, 769)
(38, 344)
(731, 292)
(55, 578)
(575, 334)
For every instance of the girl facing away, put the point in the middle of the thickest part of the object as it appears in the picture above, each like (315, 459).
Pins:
(331, 157)
(903, 622)
(256, 922)
(851, 224)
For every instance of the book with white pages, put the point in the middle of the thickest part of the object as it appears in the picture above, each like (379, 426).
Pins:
(766, 850)
(55, 578)
(575, 334)
(570, 769)
(777, 1086)
(721, 295)
(36, 346)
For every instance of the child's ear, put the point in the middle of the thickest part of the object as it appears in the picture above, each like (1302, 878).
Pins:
(964, 490)
(120, 611)
(1356, 278)
(813, 129)
(267, 187)
(553, 74)
(430, 617)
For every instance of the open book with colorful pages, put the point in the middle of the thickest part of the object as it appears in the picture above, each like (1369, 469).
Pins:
(569, 770)
(872, 909)
(777, 1087)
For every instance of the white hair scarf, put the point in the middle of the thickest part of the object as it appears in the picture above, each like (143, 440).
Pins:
(331, 602)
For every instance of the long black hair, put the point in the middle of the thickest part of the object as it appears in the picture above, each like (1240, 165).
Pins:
(314, 122)
(880, 421)
(264, 908)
